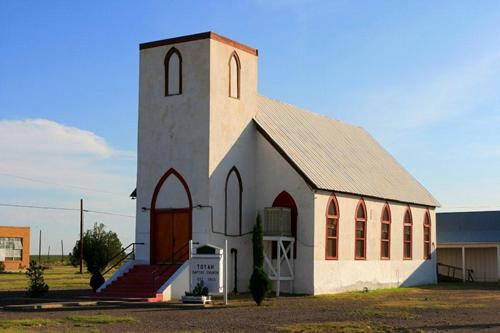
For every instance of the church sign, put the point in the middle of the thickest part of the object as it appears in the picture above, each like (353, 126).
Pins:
(206, 265)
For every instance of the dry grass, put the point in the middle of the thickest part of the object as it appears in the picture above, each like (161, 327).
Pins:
(26, 323)
(99, 319)
(377, 313)
(429, 304)
(57, 277)
(340, 327)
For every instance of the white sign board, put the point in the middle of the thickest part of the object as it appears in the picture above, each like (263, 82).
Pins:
(207, 268)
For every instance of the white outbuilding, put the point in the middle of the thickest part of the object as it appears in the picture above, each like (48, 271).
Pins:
(213, 153)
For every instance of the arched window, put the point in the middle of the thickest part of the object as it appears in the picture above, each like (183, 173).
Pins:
(332, 228)
(407, 234)
(385, 236)
(173, 72)
(233, 191)
(284, 199)
(234, 75)
(427, 235)
(360, 235)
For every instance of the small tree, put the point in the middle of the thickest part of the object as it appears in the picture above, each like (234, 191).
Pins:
(260, 284)
(2, 267)
(37, 286)
(99, 247)
(257, 242)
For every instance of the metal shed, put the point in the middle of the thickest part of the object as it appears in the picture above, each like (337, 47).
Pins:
(468, 245)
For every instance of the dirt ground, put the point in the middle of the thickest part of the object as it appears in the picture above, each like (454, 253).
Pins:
(449, 307)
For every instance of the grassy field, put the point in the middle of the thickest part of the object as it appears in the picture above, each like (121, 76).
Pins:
(57, 276)
(51, 260)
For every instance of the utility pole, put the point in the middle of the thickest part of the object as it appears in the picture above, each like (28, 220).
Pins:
(62, 251)
(81, 236)
(40, 248)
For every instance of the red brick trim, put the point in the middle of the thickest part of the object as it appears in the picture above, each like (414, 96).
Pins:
(203, 35)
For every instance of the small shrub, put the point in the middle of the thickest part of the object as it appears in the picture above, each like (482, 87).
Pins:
(2, 267)
(96, 281)
(260, 285)
(37, 286)
(200, 289)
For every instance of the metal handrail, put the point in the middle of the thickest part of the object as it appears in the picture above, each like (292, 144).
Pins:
(123, 258)
(453, 269)
(160, 270)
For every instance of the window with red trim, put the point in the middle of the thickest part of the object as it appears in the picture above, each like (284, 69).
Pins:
(427, 236)
(332, 229)
(385, 236)
(407, 235)
(360, 232)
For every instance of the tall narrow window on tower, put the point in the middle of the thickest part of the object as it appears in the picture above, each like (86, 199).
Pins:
(173, 72)
(234, 75)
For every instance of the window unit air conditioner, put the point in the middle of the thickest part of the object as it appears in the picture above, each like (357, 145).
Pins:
(277, 221)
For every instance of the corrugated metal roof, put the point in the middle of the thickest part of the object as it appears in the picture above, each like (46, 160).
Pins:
(337, 156)
(468, 227)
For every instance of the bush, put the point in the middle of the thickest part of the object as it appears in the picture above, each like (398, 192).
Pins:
(2, 267)
(37, 286)
(99, 247)
(96, 281)
(199, 290)
(260, 284)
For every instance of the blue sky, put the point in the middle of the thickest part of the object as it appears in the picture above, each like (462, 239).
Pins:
(421, 76)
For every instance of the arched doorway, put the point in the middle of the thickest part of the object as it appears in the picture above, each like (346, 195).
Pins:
(284, 199)
(171, 214)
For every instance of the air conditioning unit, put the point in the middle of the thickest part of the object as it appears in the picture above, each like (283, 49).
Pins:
(277, 221)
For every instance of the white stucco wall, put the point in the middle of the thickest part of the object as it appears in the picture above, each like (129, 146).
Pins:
(346, 273)
(173, 133)
(274, 175)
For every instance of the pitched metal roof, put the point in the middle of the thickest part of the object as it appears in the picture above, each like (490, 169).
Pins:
(468, 227)
(335, 156)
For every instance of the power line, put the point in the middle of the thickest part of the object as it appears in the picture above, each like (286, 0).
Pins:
(65, 209)
(37, 207)
(61, 185)
(107, 213)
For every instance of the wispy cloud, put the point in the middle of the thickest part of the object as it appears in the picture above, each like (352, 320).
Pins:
(47, 163)
(49, 137)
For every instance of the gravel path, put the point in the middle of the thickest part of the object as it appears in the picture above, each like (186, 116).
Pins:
(413, 309)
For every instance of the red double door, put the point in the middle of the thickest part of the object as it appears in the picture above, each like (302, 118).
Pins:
(170, 236)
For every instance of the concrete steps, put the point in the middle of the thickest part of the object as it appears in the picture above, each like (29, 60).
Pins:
(140, 283)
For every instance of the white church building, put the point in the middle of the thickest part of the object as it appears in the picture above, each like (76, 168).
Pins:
(213, 153)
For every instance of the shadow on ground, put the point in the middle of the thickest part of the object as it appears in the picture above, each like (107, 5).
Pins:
(63, 295)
